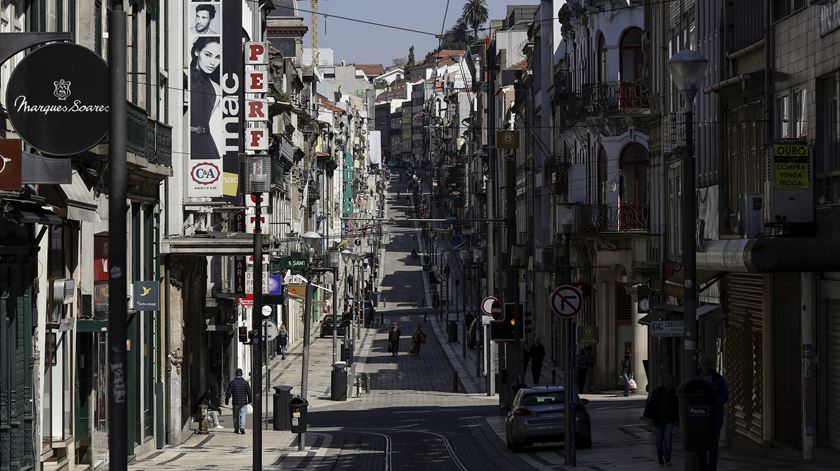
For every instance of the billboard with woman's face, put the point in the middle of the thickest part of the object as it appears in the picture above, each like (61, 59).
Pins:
(215, 72)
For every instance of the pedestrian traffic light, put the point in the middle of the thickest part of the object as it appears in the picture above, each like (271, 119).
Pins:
(528, 322)
(243, 334)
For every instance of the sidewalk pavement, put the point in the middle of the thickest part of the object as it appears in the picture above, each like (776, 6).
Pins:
(223, 449)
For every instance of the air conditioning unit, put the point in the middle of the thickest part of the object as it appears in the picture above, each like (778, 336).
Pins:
(750, 214)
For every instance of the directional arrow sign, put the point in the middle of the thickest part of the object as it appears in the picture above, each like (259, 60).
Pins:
(566, 301)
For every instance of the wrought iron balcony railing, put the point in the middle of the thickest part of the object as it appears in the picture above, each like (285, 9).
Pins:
(612, 218)
(603, 97)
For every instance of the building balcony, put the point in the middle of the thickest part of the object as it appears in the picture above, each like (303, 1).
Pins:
(148, 138)
(609, 218)
(610, 97)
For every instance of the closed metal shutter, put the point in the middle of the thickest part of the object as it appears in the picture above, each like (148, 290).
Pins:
(832, 373)
(743, 365)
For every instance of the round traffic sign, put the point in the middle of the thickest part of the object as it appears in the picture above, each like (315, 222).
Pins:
(491, 306)
(566, 301)
(271, 330)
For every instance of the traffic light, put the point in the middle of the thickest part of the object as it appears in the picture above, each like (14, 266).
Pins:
(510, 327)
(243, 334)
(517, 322)
(528, 322)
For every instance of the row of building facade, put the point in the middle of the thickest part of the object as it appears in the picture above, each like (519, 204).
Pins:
(591, 193)
(195, 249)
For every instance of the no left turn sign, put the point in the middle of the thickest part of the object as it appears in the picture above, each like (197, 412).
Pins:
(566, 301)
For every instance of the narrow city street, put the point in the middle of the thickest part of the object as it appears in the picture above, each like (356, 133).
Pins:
(412, 418)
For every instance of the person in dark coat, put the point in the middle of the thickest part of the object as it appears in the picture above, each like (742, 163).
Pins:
(720, 395)
(240, 390)
(394, 339)
(663, 409)
(537, 353)
(282, 341)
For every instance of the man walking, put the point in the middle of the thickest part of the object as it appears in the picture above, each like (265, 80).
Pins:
(537, 353)
(720, 395)
(240, 390)
(394, 339)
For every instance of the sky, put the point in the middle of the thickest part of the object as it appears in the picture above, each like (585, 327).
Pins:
(367, 44)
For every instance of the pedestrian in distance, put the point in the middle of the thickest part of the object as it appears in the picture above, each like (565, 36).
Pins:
(205, 409)
(282, 341)
(720, 395)
(537, 354)
(394, 339)
(627, 371)
(240, 391)
(582, 365)
(417, 339)
(663, 408)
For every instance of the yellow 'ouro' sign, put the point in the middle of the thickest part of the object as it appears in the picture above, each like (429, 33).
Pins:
(791, 166)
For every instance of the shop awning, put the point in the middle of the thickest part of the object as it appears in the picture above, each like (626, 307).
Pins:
(81, 204)
(771, 255)
(705, 279)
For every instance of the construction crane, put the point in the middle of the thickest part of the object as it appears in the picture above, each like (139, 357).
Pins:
(313, 4)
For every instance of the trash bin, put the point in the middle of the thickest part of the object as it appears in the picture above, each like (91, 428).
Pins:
(452, 331)
(297, 412)
(282, 395)
(338, 381)
(344, 352)
(697, 415)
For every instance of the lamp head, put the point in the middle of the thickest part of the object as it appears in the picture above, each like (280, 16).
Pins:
(687, 68)
(346, 255)
(311, 240)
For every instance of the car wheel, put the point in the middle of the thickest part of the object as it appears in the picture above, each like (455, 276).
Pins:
(584, 442)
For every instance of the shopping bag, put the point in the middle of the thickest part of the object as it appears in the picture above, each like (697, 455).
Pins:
(249, 409)
(632, 384)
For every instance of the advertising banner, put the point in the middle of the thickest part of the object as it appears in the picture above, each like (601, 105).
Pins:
(215, 87)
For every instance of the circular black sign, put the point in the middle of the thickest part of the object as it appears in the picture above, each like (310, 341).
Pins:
(58, 99)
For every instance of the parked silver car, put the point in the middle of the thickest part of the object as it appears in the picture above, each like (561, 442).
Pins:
(537, 416)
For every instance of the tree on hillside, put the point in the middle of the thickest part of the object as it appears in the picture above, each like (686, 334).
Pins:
(458, 37)
(410, 61)
(475, 14)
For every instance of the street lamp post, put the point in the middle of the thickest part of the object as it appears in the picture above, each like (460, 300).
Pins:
(687, 69)
(310, 241)
(346, 257)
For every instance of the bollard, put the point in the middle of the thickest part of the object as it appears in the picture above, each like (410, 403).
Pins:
(553, 377)
(455, 381)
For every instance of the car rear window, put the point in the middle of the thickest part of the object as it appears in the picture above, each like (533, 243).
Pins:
(539, 399)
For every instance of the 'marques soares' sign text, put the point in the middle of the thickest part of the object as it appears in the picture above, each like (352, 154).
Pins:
(58, 99)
